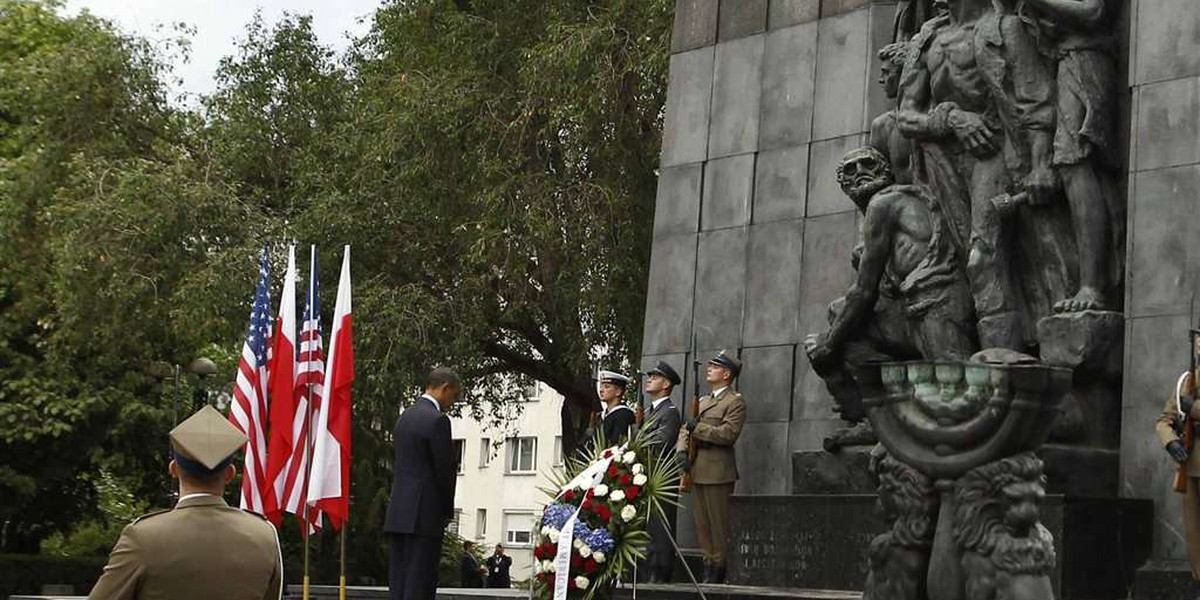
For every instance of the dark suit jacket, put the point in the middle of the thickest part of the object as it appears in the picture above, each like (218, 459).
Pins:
(662, 427)
(424, 472)
(616, 425)
(469, 573)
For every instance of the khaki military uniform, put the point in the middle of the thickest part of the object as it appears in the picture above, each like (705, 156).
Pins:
(714, 471)
(201, 550)
(1165, 427)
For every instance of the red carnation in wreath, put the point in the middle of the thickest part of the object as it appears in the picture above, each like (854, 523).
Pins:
(626, 479)
(576, 560)
(631, 493)
(570, 495)
(590, 566)
(613, 470)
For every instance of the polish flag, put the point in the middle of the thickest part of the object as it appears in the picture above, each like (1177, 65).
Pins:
(282, 385)
(329, 484)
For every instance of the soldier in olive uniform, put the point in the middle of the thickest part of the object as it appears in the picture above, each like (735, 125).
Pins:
(201, 549)
(715, 428)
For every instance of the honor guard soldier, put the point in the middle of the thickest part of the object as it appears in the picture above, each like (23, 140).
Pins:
(1176, 428)
(616, 419)
(662, 431)
(202, 548)
(714, 429)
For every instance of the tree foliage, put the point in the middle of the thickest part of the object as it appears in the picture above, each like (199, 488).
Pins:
(491, 162)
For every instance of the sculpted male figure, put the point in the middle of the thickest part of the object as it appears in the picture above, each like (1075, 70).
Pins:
(905, 247)
(1083, 135)
(979, 99)
(885, 135)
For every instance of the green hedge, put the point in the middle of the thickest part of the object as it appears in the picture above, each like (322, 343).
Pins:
(27, 573)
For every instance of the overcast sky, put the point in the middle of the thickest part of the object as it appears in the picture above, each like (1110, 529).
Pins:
(219, 22)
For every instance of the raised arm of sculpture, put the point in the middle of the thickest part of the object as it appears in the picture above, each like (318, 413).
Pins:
(1080, 13)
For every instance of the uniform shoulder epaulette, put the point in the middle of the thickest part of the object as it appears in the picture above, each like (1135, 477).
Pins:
(257, 514)
(155, 513)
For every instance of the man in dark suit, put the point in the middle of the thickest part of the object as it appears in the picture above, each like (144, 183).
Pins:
(662, 431)
(423, 479)
(498, 565)
(470, 572)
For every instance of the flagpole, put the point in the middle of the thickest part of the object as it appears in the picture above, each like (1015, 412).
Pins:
(308, 385)
(342, 578)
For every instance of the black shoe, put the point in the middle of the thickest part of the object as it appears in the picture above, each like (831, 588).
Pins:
(718, 575)
(708, 573)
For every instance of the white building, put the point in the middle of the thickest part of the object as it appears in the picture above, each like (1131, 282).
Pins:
(502, 472)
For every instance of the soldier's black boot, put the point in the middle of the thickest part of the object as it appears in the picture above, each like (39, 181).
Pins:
(708, 573)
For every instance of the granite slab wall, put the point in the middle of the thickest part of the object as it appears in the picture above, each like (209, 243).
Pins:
(752, 237)
(1163, 255)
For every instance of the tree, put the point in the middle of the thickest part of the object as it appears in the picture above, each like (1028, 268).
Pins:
(499, 177)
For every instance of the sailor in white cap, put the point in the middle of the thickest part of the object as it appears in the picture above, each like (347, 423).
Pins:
(616, 419)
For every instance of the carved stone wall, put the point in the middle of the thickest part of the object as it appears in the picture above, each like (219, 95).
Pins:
(752, 234)
(1164, 265)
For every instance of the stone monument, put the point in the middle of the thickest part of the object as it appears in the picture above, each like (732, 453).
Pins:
(993, 236)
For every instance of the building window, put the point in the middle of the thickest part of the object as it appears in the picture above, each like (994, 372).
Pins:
(460, 447)
(530, 392)
(518, 527)
(522, 455)
(558, 455)
(455, 522)
(481, 523)
(485, 452)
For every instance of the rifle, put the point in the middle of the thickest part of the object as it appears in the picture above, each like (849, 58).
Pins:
(1188, 432)
(685, 482)
(641, 407)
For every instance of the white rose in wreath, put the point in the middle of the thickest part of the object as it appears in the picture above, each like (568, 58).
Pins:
(628, 513)
(585, 552)
(617, 496)
(638, 468)
(549, 566)
(598, 557)
(578, 543)
(582, 582)
(552, 536)
(600, 491)
(630, 456)
(639, 480)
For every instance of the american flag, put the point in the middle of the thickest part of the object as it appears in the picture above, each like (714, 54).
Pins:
(249, 410)
(309, 377)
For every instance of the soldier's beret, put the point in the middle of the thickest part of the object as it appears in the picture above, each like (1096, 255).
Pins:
(665, 370)
(206, 441)
(729, 362)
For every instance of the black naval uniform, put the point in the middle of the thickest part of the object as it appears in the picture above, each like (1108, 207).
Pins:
(662, 426)
(616, 424)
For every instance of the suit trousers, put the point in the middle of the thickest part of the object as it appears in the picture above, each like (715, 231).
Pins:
(413, 566)
(1191, 523)
(712, 519)
(660, 555)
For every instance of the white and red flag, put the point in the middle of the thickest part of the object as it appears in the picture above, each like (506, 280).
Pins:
(329, 484)
(282, 438)
(249, 410)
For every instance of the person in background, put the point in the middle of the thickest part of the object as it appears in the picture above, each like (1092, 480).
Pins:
(470, 572)
(498, 565)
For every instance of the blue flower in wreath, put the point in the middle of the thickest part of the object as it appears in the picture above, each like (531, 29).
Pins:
(599, 540)
(556, 515)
